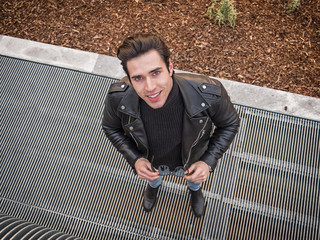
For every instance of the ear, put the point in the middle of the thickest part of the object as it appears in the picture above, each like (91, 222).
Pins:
(170, 67)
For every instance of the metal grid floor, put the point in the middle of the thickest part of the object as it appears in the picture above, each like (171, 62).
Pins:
(17, 229)
(58, 170)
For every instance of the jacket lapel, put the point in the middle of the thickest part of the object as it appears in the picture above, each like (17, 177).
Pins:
(195, 118)
(194, 102)
(129, 106)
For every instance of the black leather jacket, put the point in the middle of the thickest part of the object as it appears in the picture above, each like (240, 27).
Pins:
(209, 125)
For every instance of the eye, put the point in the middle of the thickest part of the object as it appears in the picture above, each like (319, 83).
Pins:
(138, 78)
(155, 73)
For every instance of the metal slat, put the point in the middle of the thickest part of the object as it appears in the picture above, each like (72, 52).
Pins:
(58, 170)
(17, 229)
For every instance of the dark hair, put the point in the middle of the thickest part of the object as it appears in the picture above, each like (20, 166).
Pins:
(139, 44)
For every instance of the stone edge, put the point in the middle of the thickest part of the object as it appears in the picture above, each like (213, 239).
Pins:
(240, 93)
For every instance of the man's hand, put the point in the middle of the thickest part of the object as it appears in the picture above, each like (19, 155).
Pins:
(197, 172)
(144, 170)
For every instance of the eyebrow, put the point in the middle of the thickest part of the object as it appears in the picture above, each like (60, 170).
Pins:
(152, 71)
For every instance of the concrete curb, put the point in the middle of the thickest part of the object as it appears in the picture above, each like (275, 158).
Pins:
(240, 93)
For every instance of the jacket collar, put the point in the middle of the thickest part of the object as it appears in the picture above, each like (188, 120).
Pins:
(194, 102)
(129, 104)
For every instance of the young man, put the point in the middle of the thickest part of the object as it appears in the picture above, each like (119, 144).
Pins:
(163, 122)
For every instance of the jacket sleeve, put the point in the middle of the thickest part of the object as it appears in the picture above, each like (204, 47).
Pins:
(112, 127)
(227, 122)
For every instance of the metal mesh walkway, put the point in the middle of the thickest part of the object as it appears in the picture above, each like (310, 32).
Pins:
(17, 229)
(59, 171)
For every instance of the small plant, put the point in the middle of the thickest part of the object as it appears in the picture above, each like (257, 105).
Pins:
(224, 13)
(293, 5)
(212, 11)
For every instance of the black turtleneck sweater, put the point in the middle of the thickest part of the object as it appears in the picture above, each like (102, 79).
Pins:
(163, 127)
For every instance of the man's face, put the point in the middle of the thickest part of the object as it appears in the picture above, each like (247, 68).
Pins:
(150, 78)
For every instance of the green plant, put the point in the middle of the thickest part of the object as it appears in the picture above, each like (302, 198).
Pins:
(224, 13)
(293, 5)
(212, 12)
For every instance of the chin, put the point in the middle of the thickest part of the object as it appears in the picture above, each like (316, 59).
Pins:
(156, 105)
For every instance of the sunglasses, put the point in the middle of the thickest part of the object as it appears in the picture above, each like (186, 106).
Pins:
(164, 170)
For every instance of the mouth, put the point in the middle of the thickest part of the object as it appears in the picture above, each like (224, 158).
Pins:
(154, 96)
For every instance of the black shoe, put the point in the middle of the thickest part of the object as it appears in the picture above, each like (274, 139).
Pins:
(149, 198)
(197, 202)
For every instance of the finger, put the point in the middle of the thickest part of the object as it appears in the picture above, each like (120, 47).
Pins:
(149, 167)
(148, 174)
(197, 176)
(190, 176)
(144, 176)
(152, 178)
(193, 179)
(190, 170)
(147, 177)
(152, 174)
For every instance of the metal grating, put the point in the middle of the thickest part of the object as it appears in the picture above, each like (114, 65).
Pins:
(59, 171)
(16, 229)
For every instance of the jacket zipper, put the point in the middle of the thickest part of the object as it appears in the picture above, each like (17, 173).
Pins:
(136, 140)
(200, 135)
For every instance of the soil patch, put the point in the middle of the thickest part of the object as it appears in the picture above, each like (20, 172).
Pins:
(268, 47)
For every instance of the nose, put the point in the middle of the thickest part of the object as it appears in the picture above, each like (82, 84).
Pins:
(149, 85)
